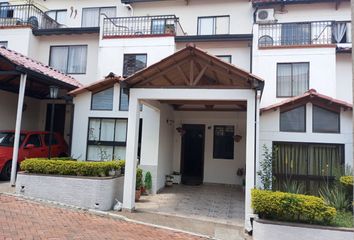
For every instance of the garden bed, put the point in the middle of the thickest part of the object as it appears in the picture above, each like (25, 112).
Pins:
(266, 229)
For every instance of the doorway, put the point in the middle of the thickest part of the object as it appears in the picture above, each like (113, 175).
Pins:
(59, 118)
(192, 154)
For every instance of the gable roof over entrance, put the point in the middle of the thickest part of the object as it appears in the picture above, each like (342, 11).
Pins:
(192, 67)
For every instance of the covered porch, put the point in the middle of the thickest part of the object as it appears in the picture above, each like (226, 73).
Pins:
(200, 118)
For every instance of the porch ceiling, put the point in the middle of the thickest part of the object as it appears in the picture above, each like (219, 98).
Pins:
(39, 76)
(187, 105)
(192, 67)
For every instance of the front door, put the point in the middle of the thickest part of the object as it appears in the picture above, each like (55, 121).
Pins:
(59, 118)
(192, 154)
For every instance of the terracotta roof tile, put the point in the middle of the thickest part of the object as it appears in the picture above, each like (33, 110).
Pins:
(310, 93)
(28, 63)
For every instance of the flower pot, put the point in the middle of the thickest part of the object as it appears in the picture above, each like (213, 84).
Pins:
(137, 195)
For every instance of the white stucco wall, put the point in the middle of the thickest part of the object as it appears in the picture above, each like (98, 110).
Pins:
(215, 170)
(344, 77)
(111, 52)
(241, 12)
(269, 132)
(18, 39)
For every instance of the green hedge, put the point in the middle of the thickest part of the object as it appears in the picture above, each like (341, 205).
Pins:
(54, 159)
(347, 180)
(291, 207)
(69, 167)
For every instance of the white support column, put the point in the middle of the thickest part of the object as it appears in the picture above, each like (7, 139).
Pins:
(250, 159)
(21, 96)
(131, 154)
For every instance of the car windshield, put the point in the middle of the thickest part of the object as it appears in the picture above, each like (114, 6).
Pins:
(7, 139)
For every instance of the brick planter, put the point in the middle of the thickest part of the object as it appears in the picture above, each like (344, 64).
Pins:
(85, 192)
(265, 230)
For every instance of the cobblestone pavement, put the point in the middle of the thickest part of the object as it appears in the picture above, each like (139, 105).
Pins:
(24, 219)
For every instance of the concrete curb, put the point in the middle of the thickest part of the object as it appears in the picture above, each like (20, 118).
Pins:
(105, 214)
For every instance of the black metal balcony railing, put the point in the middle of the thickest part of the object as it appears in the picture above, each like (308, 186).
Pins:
(304, 33)
(26, 15)
(142, 26)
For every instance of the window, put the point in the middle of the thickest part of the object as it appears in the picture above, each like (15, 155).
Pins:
(296, 33)
(213, 25)
(325, 121)
(223, 142)
(292, 79)
(133, 63)
(35, 140)
(293, 120)
(3, 44)
(54, 139)
(124, 99)
(69, 59)
(107, 139)
(309, 164)
(58, 15)
(91, 16)
(102, 100)
(226, 58)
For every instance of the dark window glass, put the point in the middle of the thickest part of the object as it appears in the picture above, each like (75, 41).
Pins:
(292, 79)
(54, 139)
(124, 99)
(103, 100)
(325, 121)
(3, 44)
(296, 33)
(293, 120)
(223, 142)
(226, 58)
(133, 63)
(309, 165)
(7, 139)
(35, 140)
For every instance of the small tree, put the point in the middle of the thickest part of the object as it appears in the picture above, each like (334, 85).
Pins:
(265, 172)
(148, 181)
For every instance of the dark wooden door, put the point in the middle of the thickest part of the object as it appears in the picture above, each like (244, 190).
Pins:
(192, 154)
(59, 118)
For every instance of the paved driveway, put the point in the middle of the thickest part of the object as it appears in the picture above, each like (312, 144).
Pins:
(23, 219)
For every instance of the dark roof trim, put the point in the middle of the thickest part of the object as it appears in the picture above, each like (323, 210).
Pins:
(262, 3)
(66, 31)
(216, 38)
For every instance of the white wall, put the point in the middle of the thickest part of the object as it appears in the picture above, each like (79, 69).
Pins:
(215, 170)
(18, 39)
(240, 51)
(270, 132)
(241, 12)
(111, 52)
(344, 77)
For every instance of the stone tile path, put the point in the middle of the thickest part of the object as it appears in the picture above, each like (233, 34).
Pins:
(217, 203)
(23, 219)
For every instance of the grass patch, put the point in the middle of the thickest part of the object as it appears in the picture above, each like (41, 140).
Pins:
(343, 219)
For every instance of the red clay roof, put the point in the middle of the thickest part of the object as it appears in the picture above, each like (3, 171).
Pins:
(36, 66)
(107, 81)
(307, 96)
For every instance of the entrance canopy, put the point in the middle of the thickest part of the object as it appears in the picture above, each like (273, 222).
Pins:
(39, 76)
(192, 67)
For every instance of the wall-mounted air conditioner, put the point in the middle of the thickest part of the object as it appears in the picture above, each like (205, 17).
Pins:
(265, 16)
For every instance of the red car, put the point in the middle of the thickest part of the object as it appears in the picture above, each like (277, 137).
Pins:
(32, 145)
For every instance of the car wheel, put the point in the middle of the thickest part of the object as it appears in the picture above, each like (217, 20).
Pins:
(6, 171)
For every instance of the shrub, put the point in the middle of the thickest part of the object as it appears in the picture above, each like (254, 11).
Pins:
(347, 180)
(291, 207)
(293, 187)
(336, 197)
(148, 181)
(139, 179)
(68, 167)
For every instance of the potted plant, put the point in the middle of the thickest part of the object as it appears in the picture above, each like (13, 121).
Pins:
(139, 183)
(169, 181)
(148, 182)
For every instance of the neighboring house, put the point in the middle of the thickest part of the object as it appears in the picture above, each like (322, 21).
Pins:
(199, 104)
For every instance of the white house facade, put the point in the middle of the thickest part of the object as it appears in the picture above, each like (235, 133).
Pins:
(196, 87)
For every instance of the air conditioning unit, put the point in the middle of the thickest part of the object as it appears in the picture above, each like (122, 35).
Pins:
(265, 16)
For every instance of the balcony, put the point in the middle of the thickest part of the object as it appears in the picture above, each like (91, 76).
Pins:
(25, 15)
(304, 34)
(259, 3)
(144, 26)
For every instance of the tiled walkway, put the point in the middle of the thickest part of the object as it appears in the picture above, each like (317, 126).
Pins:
(23, 219)
(217, 203)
